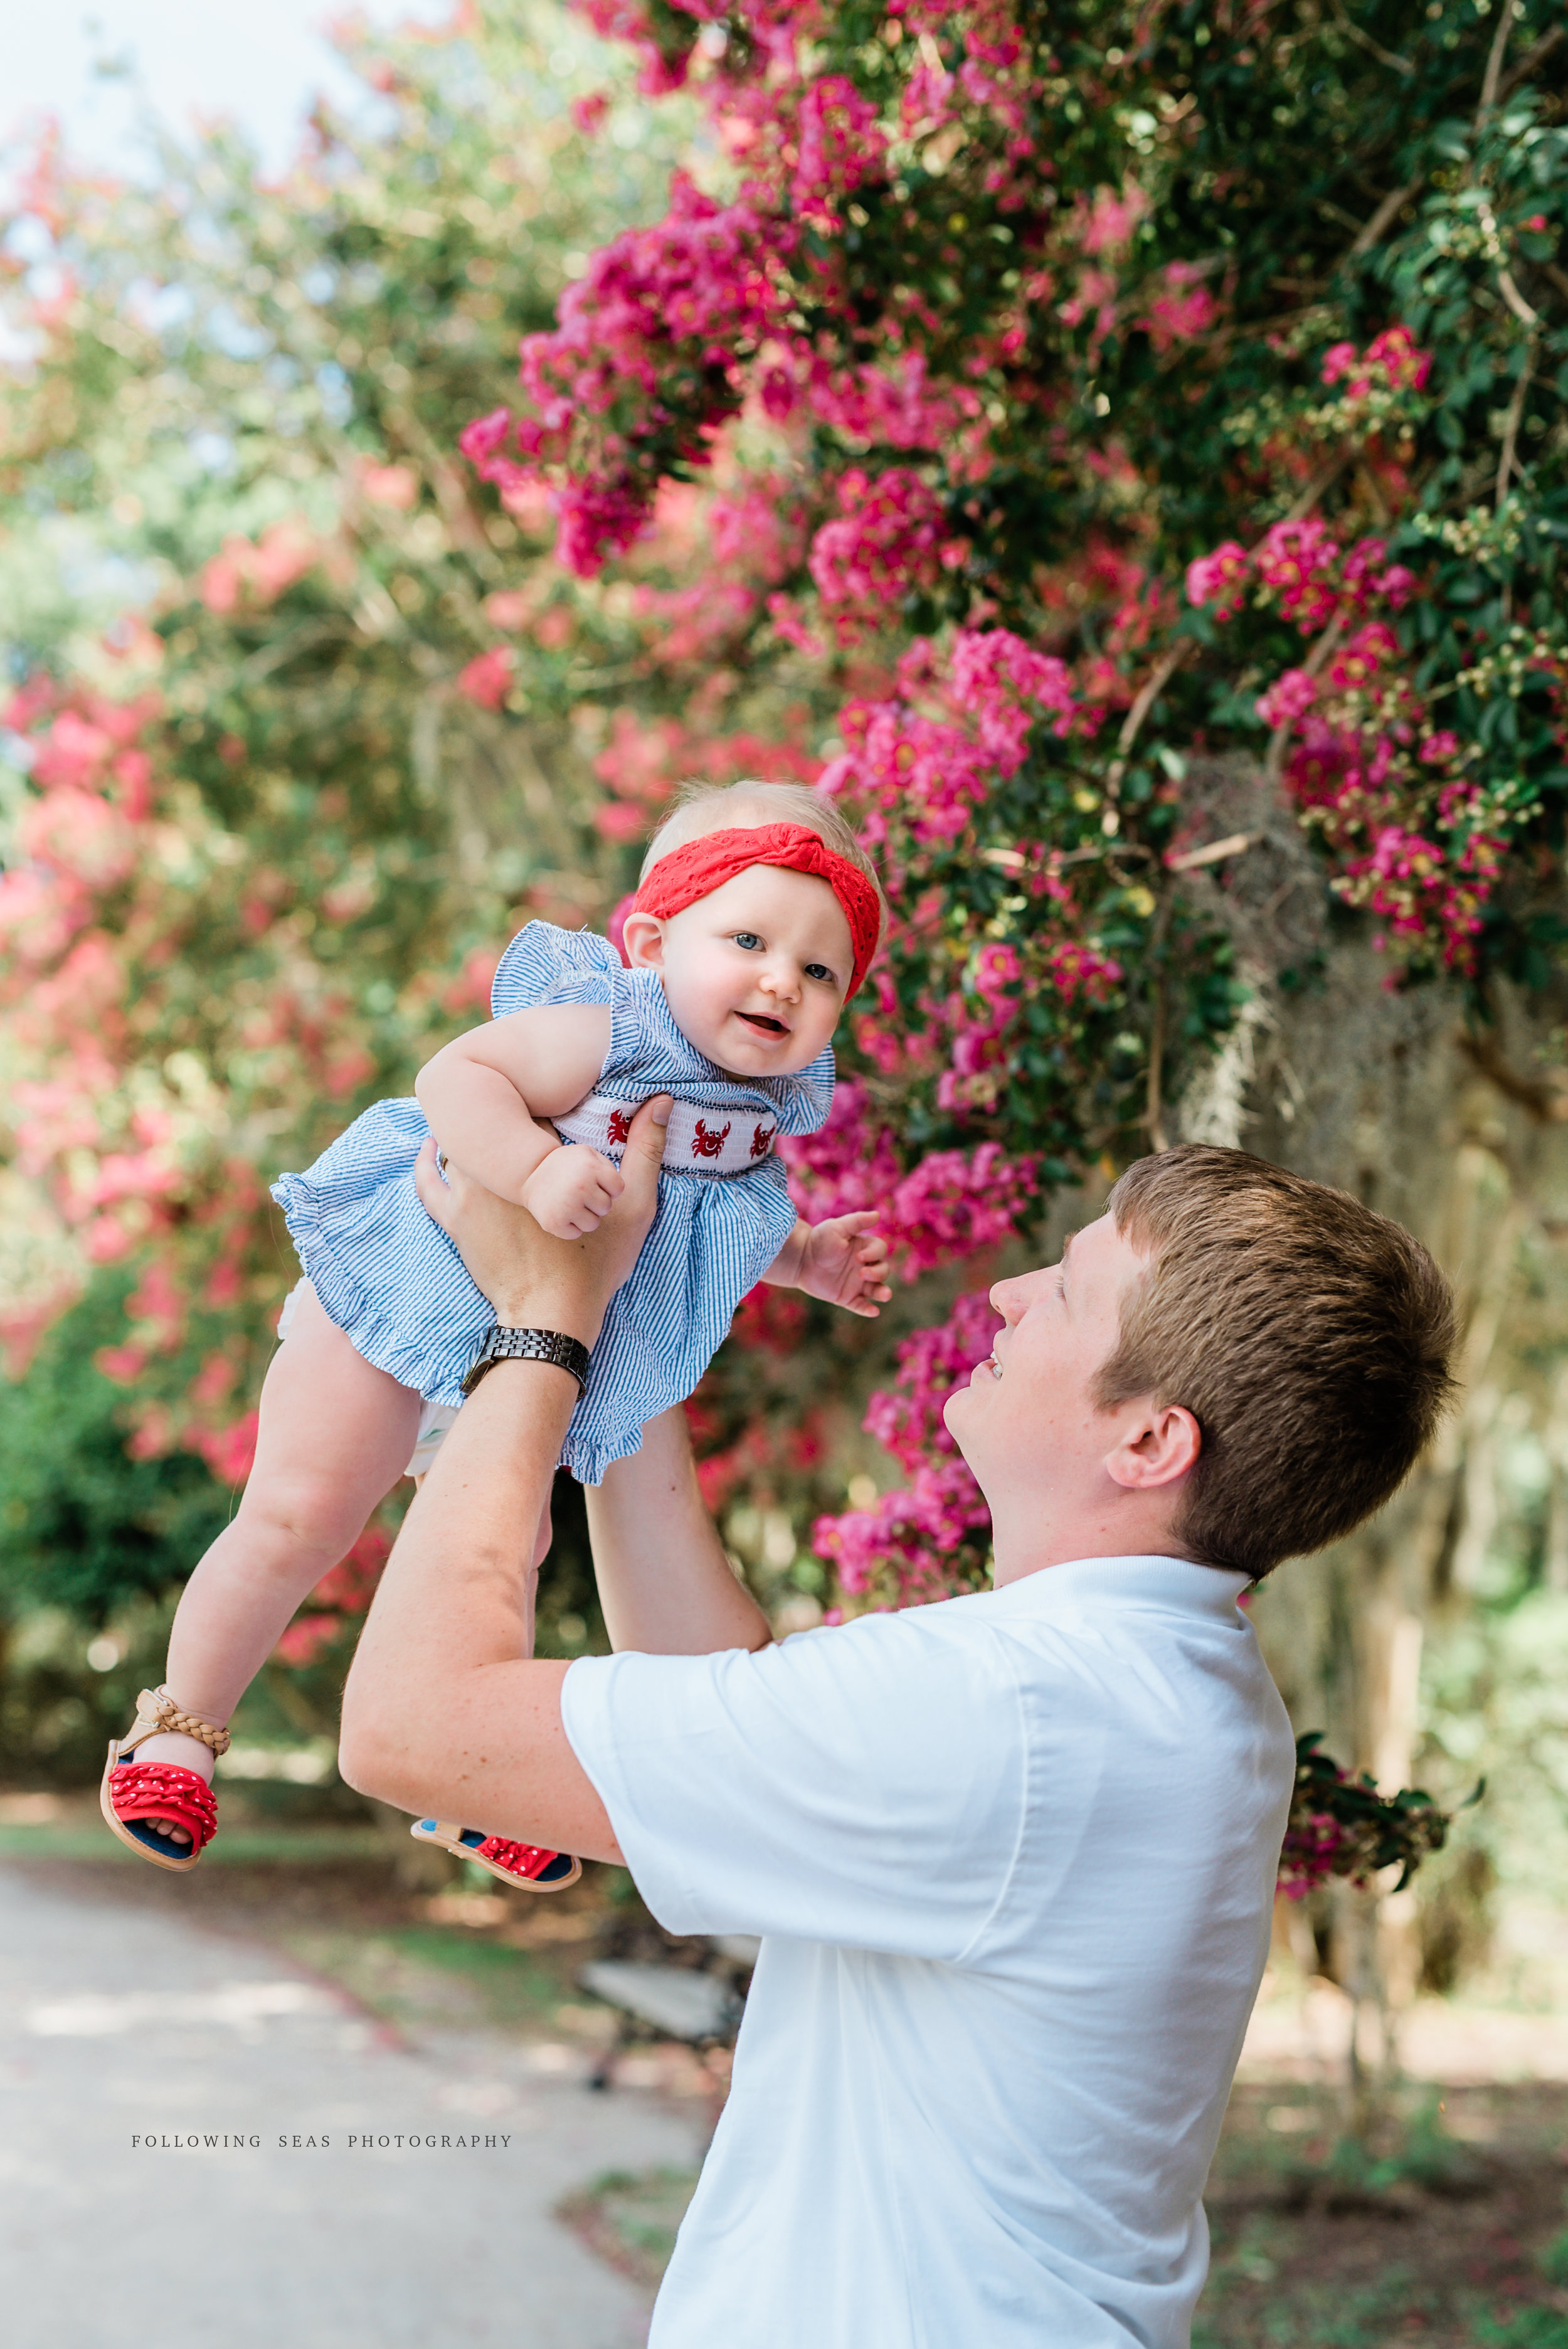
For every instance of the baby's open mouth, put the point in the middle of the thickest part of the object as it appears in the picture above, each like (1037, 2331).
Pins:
(759, 1020)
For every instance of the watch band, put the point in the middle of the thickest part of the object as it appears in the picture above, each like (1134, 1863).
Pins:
(529, 1346)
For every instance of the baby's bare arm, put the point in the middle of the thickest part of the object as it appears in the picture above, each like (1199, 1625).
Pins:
(484, 1090)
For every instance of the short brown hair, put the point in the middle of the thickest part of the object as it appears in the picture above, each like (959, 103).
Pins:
(1309, 1337)
(701, 808)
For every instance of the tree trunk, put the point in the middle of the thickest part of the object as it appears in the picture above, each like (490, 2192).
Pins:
(1339, 1077)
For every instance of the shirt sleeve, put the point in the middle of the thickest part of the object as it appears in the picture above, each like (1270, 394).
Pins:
(863, 1786)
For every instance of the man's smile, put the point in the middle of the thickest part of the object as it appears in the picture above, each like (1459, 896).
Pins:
(762, 1023)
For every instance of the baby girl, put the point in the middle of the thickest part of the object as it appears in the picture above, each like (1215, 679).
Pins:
(757, 917)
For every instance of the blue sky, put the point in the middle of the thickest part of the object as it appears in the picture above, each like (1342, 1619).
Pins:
(259, 62)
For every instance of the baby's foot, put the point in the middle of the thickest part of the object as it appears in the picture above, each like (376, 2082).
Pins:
(175, 1753)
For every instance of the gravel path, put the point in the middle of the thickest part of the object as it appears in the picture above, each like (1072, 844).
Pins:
(162, 2086)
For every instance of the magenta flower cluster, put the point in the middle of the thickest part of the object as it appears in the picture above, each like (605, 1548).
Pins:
(1413, 838)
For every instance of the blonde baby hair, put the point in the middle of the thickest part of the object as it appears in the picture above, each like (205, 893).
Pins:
(700, 807)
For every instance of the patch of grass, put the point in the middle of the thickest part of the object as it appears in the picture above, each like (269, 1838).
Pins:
(632, 2220)
(423, 1974)
(1421, 2237)
(232, 1847)
(1526, 2328)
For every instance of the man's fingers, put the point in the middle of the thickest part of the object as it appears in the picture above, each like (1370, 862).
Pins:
(646, 1144)
(434, 1195)
(861, 1220)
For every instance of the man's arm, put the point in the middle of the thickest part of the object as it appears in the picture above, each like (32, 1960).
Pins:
(442, 1712)
(664, 1582)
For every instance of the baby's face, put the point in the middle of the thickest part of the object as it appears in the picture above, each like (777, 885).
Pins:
(755, 974)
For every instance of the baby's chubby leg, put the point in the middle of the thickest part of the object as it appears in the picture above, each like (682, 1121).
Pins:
(336, 1435)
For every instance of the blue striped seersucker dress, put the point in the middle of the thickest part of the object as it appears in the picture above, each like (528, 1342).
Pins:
(393, 1281)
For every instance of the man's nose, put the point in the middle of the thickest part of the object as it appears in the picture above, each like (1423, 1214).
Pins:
(782, 983)
(1009, 1299)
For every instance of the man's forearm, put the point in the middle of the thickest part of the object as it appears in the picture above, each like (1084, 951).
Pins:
(665, 1583)
(443, 1711)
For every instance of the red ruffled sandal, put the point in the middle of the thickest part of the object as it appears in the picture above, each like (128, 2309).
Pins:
(134, 1794)
(527, 1866)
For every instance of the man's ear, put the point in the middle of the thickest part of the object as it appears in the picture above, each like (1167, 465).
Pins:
(644, 939)
(1158, 1443)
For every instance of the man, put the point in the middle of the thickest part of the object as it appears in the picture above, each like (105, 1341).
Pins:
(1012, 1857)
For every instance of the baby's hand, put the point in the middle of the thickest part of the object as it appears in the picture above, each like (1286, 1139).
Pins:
(569, 1193)
(844, 1262)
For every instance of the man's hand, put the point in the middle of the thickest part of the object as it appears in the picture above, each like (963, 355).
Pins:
(572, 1192)
(532, 1278)
(844, 1262)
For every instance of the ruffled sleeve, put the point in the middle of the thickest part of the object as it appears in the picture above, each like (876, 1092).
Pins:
(805, 1100)
(546, 965)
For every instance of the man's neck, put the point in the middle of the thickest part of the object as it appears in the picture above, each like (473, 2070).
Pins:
(1138, 1531)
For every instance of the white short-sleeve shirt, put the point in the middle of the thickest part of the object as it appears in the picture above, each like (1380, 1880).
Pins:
(1012, 1858)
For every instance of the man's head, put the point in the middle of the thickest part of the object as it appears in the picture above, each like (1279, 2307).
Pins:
(1234, 1364)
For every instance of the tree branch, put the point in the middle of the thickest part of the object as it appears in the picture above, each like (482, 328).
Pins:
(1528, 61)
(1153, 685)
(1516, 301)
(1387, 210)
(1511, 423)
(1494, 61)
(1365, 41)
(1320, 483)
(1154, 1112)
(1545, 1100)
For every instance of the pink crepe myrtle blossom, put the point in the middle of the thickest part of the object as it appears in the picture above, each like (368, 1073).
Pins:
(1107, 225)
(1367, 578)
(1081, 972)
(893, 404)
(931, 1365)
(1220, 578)
(487, 680)
(906, 1547)
(950, 1206)
(886, 541)
(1290, 697)
(388, 485)
(1391, 362)
(1295, 563)
(928, 773)
(839, 146)
(1359, 661)
(255, 573)
(1182, 309)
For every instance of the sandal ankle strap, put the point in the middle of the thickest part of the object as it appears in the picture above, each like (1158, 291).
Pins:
(157, 1715)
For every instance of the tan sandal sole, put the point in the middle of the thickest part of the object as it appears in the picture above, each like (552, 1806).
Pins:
(117, 1826)
(513, 1883)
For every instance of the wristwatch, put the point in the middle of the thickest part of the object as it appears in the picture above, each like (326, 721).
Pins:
(529, 1346)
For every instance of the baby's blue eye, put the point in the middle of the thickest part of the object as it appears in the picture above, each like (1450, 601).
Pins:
(821, 970)
(746, 938)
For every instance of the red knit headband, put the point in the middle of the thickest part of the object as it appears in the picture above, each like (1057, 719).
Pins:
(699, 867)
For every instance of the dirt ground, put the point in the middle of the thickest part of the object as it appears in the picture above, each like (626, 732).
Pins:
(1450, 2229)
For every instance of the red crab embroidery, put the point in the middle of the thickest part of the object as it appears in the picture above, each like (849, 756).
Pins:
(761, 1139)
(620, 1131)
(704, 1145)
